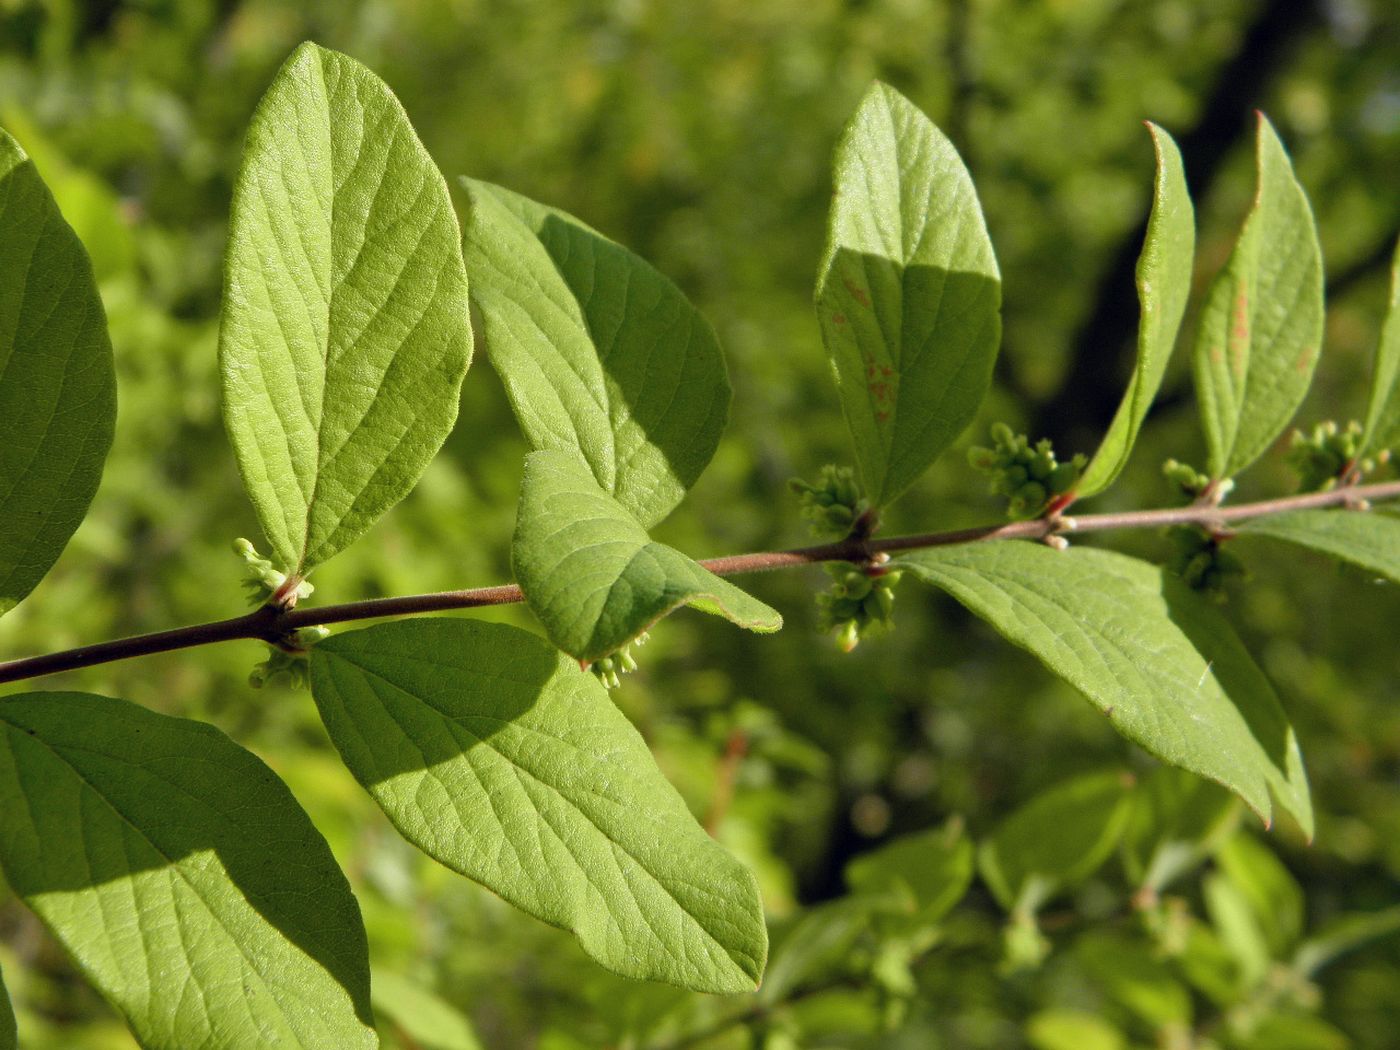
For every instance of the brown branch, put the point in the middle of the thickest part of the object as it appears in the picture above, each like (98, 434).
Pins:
(270, 624)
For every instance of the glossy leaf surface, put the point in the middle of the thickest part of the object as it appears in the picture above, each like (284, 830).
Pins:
(600, 354)
(1162, 664)
(345, 331)
(908, 294)
(58, 401)
(182, 877)
(495, 754)
(592, 574)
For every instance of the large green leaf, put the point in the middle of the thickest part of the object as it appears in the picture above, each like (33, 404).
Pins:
(182, 877)
(908, 294)
(1055, 841)
(495, 754)
(1163, 284)
(592, 574)
(1367, 539)
(345, 331)
(1261, 325)
(1161, 663)
(600, 354)
(9, 1038)
(58, 401)
(1383, 413)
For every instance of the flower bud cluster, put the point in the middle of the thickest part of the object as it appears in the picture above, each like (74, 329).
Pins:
(1198, 558)
(834, 504)
(1028, 476)
(1320, 459)
(610, 669)
(860, 602)
(261, 580)
(287, 663)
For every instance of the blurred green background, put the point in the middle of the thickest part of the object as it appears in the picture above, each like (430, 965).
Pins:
(699, 134)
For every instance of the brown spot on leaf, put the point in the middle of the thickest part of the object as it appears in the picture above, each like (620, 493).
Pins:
(882, 415)
(838, 318)
(857, 292)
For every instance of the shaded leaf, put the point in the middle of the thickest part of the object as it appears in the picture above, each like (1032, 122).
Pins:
(600, 354)
(1165, 666)
(1163, 285)
(1178, 820)
(426, 1018)
(9, 1038)
(1345, 934)
(345, 332)
(494, 754)
(58, 401)
(1261, 326)
(1130, 973)
(592, 574)
(181, 876)
(1269, 887)
(908, 294)
(1239, 929)
(926, 872)
(1368, 539)
(819, 944)
(1382, 428)
(1055, 841)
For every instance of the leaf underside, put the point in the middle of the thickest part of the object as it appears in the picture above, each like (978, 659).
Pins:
(1260, 329)
(1163, 285)
(496, 755)
(592, 574)
(1165, 666)
(1366, 539)
(58, 401)
(345, 332)
(181, 876)
(908, 293)
(600, 354)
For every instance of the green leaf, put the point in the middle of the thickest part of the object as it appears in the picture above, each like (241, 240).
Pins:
(345, 331)
(1178, 820)
(1055, 841)
(9, 1037)
(1165, 666)
(1345, 934)
(429, 1021)
(1131, 973)
(1261, 325)
(1065, 1029)
(592, 574)
(926, 873)
(58, 400)
(1163, 284)
(601, 355)
(1239, 929)
(1366, 539)
(1269, 887)
(181, 876)
(494, 754)
(1382, 428)
(908, 294)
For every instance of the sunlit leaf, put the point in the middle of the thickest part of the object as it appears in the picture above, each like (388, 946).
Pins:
(345, 331)
(1163, 284)
(1161, 663)
(1261, 325)
(908, 294)
(58, 402)
(1369, 540)
(601, 355)
(181, 876)
(430, 1022)
(496, 755)
(592, 574)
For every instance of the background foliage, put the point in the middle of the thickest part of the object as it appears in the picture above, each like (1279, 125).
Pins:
(699, 135)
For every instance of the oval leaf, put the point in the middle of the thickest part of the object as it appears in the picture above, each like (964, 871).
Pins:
(58, 399)
(1163, 285)
(1055, 841)
(345, 332)
(182, 877)
(1383, 413)
(1261, 325)
(1165, 666)
(494, 754)
(600, 354)
(908, 295)
(592, 574)
(1367, 539)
